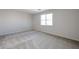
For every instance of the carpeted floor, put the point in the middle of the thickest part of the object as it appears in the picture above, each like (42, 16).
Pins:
(36, 40)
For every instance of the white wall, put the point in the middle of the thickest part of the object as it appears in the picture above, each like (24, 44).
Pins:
(12, 21)
(66, 23)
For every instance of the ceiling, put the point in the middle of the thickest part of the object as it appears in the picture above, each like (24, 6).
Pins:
(32, 11)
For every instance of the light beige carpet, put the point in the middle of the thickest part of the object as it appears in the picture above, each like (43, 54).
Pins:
(36, 40)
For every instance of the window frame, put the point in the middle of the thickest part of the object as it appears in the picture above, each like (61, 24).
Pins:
(46, 19)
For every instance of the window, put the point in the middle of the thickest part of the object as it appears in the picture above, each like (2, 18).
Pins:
(46, 19)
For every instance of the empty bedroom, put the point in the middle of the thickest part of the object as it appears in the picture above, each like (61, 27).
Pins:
(39, 29)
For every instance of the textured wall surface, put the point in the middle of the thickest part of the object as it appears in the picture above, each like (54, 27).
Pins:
(12, 21)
